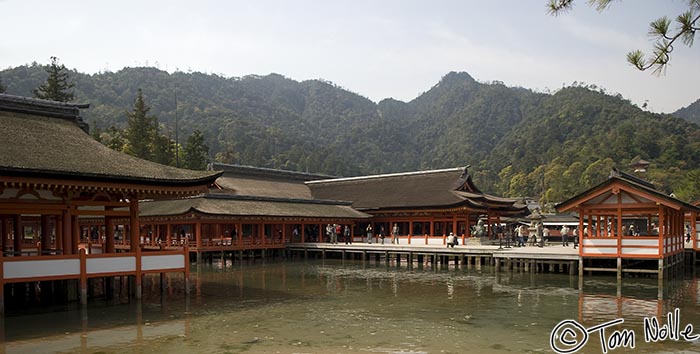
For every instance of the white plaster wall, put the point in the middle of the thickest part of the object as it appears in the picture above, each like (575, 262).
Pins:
(600, 250)
(111, 264)
(629, 242)
(172, 261)
(642, 251)
(596, 242)
(41, 268)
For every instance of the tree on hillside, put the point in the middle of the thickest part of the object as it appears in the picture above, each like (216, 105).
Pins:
(2, 87)
(196, 152)
(688, 188)
(660, 32)
(57, 86)
(227, 154)
(163, 149)
(113, 138)
(141, 129)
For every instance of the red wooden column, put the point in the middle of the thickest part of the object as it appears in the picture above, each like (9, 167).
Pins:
(18, 234)
(76, 235)
(2, 285)
(134, 226)
(198, 235)
(83, 277)
(135, 240)
(693, 229)
(4, 227)
(454, 225)
(410, 230)
(239, 234)
(45, 233)
(662, 230)
(302, 232)
(67, 230)
(109, 234)
(168, 236)
(59, 233)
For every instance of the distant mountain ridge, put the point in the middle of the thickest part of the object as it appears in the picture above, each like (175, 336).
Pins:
(690, 113)
(518, 142)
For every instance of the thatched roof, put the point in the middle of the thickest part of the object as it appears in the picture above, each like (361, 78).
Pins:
(246, 206)
(264, 182)
(411, 190)
(44, 139)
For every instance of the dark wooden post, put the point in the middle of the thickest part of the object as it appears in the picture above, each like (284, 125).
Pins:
(45, 233)
(135, 237)
(109, 233)
(18, 234)
(67, 229)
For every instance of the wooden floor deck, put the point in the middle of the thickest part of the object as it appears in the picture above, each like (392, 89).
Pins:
(549, 252)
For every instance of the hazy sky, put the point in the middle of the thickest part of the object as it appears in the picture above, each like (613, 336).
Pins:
(377, 48)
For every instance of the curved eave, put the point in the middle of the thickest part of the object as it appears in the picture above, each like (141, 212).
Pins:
(491, 200)
(466, 203)
(127, 180)
(243, 216)
(248, 207)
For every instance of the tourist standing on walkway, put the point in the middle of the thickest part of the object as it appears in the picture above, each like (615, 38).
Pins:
(382, 233)
(369, 233)
(565, 236)
(522, 232)
(295, 235)
(533, 234)
(330, 230)
(395, 234)
(347, 235)
(545, 236)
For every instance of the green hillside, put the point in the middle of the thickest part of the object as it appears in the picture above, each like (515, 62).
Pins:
(690, 113)
(518, 142)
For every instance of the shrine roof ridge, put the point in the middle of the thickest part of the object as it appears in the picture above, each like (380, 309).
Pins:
(388, 175)
(243, 170)
(35, 106)
(274, 199)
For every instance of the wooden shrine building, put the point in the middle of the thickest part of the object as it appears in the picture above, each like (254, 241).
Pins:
(264, 209)
(250, 209)
(627, 225)
(426, 205)
(53, 173)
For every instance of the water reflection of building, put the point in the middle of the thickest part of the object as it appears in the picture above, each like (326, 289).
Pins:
(84, 341)
(601, 308)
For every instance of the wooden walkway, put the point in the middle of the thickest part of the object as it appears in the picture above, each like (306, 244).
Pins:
(553, 258)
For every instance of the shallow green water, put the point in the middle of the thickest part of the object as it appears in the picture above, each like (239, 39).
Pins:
(330, 307)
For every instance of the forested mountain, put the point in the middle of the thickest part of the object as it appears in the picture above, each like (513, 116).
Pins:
(518, 142)
(690, 113)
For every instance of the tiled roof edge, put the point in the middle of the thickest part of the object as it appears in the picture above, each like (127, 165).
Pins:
(274, 199)
(20, 104)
